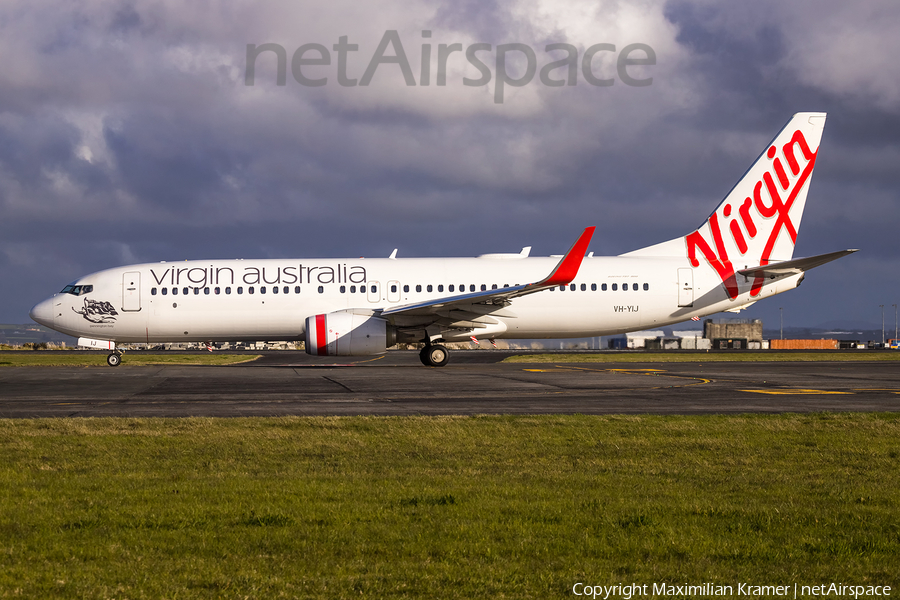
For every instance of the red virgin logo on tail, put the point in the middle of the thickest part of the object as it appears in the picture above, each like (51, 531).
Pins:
(755, 214)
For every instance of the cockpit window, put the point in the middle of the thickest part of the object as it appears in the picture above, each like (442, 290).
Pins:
(77, 290)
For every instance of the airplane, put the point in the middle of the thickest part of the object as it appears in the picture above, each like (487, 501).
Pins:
(741, 253)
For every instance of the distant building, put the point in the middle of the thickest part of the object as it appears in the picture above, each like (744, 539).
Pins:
(692, 339)
(638, 339)
(733, 333)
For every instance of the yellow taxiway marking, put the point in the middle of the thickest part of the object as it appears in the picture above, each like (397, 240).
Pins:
(558, 369)
(795, 392)
(663, 372)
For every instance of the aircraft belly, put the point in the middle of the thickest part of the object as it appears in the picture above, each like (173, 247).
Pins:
(239, 323)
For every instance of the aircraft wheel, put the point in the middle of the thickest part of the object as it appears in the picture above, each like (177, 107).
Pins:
(114, 360)
(423, 356)
(435, 356)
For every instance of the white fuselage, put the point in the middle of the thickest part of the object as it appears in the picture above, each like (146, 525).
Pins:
(232, 300)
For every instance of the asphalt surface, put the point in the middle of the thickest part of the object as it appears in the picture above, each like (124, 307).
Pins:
(475, 382)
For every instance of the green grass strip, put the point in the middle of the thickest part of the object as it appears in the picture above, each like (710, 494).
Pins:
(448, 507)
(764, 356)
(65, 359)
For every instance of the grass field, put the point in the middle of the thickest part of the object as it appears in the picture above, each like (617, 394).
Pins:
(453, 507)
(66, 359)
(751, 356)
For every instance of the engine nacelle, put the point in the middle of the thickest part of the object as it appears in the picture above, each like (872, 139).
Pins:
(347, 334)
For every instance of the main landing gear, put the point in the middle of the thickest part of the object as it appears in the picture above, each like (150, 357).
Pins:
(114, 359)
(434, 355)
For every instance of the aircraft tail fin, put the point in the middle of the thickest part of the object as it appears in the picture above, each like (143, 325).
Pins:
(758, 220)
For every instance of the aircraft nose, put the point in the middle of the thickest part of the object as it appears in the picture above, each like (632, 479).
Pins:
(42, 312)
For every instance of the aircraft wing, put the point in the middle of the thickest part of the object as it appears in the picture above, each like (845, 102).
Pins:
(470, 310)
(793, 267)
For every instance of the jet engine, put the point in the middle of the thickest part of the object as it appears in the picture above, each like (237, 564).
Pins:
(345, 333)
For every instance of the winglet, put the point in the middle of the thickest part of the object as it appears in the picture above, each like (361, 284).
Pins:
(568, 267)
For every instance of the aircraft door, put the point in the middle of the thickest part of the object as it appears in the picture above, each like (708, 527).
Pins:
(685, 287)
(374, 289)
(131, 291)
(393, 294)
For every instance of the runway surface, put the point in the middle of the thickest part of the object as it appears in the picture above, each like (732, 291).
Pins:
(475, 382)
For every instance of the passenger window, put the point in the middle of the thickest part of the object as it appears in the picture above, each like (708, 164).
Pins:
(441, 287)
(593, 287)
(646, 287)
(262, 290)
(450, 287)
(218, 291)
(240, 290)
(583, 287)
(494, 287)
(184, 291)
(572, 287)
(196, 291)
(251, 290)
(343, 289)
(165, 291)
(152, 291)
(206, 291)
(603, 287)
(615, 287)
(296, 289)
(321, 289)
(274, 289)
(352, 289)
(374, 289)
(228, 291)
(429, 288)
(472, 287)
(394, 288)
(405, 288)
(562, 288)
(174, 291)
(418, 288)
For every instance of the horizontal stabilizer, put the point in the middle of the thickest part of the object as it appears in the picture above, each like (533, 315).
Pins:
(792, 267)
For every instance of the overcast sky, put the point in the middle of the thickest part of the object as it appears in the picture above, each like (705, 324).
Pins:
(128, 134)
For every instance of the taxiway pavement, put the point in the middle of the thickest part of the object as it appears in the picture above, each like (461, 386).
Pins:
(475, 382)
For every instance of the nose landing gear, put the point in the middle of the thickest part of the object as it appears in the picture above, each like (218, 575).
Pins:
(114, 359)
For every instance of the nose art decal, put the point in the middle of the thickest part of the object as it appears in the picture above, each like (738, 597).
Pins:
(96, 311)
